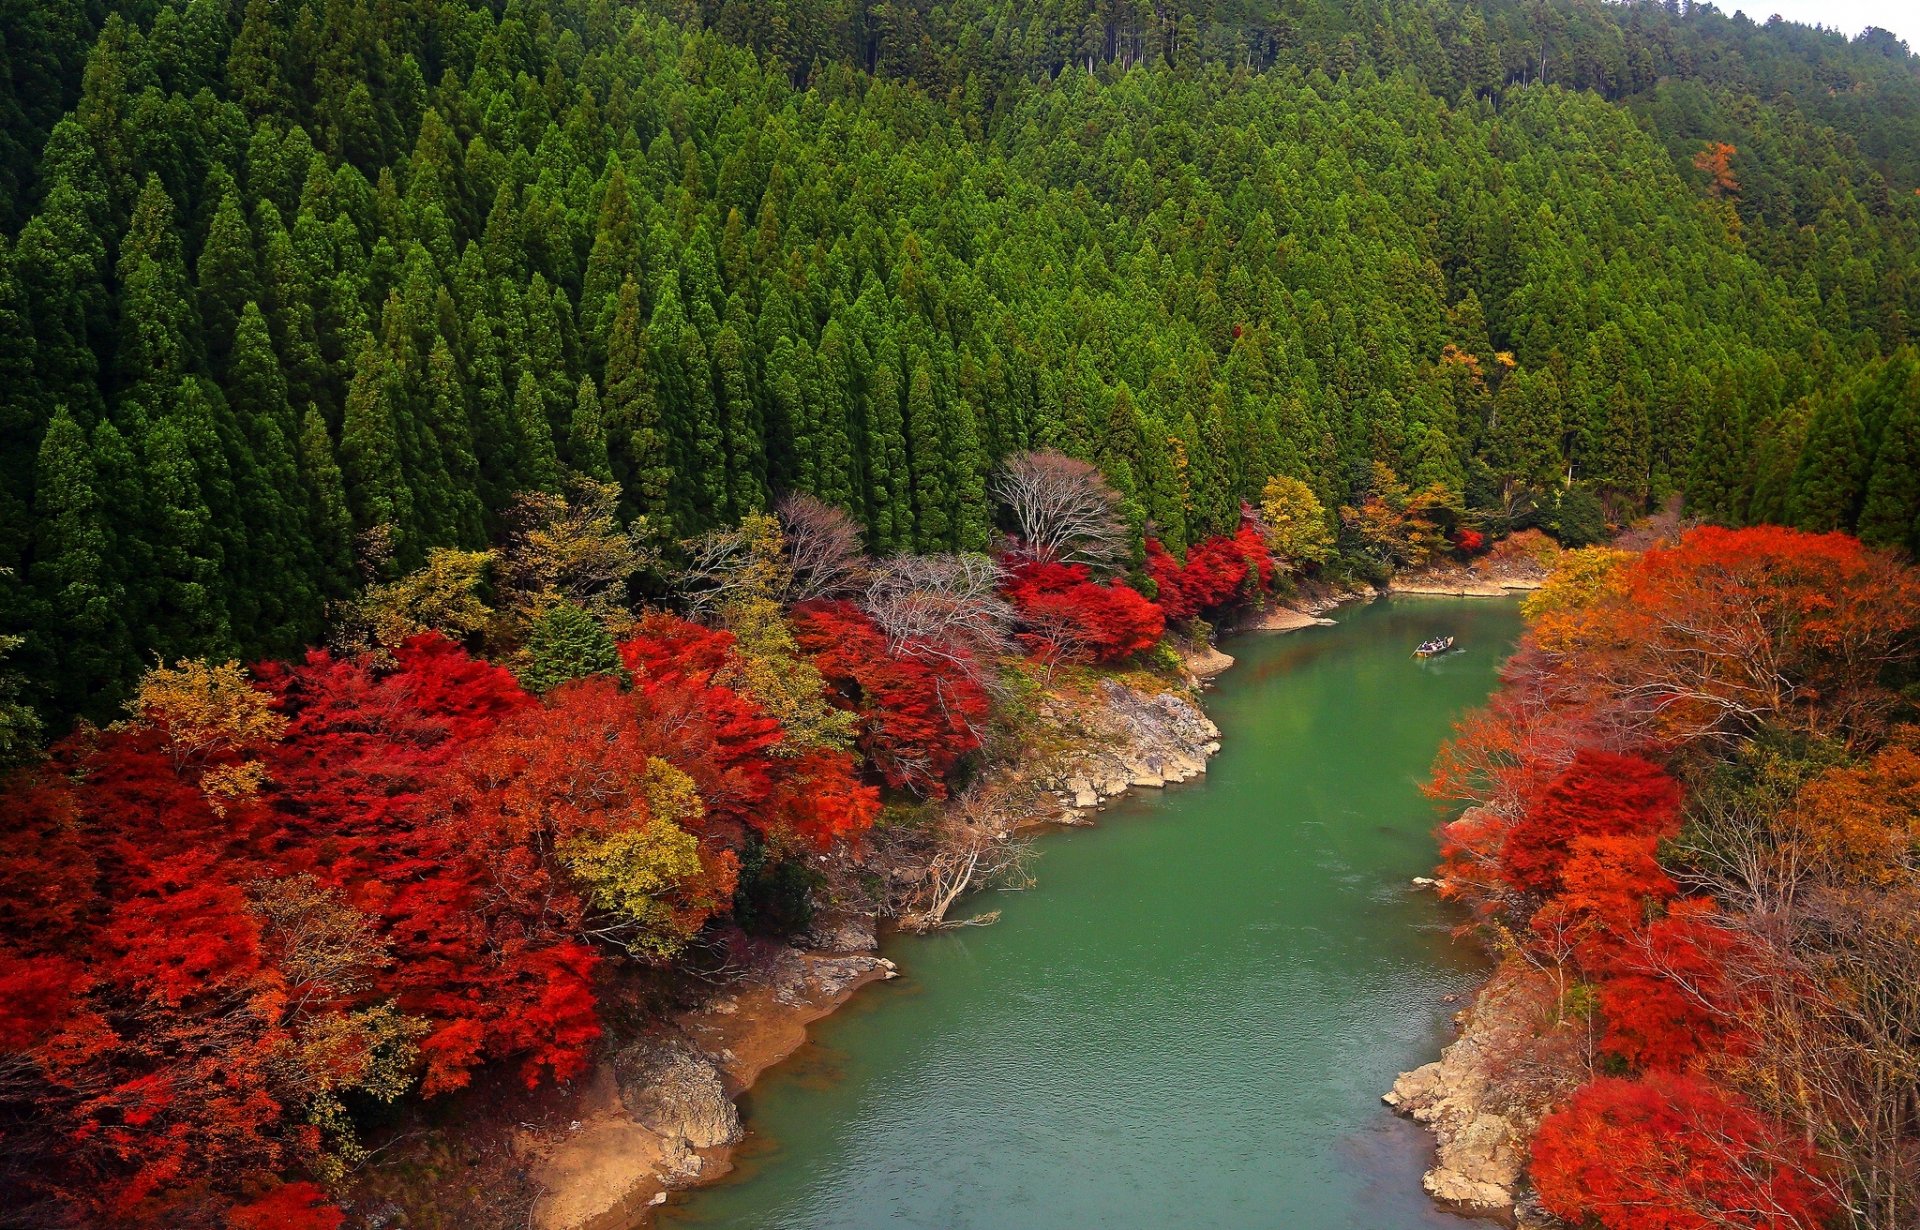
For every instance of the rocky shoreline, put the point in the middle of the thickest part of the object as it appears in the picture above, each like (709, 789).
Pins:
(1484, 1096)
(657, 1113)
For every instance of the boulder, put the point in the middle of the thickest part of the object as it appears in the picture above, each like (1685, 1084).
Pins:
(675, 1091)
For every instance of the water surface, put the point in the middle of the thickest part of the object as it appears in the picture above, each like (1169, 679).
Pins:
(1190, 1021)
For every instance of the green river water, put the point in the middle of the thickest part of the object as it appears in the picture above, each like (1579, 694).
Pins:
(1190, 1020)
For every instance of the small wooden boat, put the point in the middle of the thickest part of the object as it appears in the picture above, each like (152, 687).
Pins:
(1434, 648)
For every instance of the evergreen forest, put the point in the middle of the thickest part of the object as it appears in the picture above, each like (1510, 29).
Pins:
(292, 293)
(507, 507)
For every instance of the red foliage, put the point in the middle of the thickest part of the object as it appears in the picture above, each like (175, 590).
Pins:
(290, 1206)
(1600, 794)
(1667, 996)
(1671, 1152)
(1215, 575)
(1469, 541)
(154, 983)
(921, 711)
(1064, 614)
(1691, 646)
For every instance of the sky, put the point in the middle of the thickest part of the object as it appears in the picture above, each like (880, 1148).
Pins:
(1847, 16)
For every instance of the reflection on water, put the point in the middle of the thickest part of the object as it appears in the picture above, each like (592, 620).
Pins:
(1190, 1021)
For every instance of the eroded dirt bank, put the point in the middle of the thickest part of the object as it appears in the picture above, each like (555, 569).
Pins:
(656, 1113)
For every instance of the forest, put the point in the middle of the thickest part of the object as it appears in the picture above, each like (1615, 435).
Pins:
(397, 399)
(1694, 812)
(299, 292)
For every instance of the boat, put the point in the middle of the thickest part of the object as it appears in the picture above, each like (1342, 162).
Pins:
(1434, 648)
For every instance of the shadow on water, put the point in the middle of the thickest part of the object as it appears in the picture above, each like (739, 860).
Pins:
(1191, 1019)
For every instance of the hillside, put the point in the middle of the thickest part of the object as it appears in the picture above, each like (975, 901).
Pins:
(313, 269)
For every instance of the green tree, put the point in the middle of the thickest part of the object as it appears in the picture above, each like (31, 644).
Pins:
(567, 643)
(73, 570)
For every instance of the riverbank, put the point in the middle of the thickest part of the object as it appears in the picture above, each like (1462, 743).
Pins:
(658, 1114)
(1514, 1056)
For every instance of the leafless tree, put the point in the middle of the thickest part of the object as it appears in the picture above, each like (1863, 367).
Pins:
(824, 554)
(975, 847)
(1063, 509)
(940, 606)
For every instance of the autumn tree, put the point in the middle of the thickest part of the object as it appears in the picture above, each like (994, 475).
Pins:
(1062, 510)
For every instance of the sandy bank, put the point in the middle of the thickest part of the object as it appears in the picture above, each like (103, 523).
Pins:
(657, 1114)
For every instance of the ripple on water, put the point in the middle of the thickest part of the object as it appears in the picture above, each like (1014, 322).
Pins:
(1190, 1021)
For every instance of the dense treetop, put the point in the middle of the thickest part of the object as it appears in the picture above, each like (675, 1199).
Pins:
(298, 291)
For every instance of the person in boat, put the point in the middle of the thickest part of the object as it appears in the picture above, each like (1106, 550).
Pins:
(1433, 646)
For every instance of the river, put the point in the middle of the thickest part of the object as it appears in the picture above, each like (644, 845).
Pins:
(1190, 1020)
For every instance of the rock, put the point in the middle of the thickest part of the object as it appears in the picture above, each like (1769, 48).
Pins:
(1480, 1119)
(844, 933)
(1086, 798)
(675, 1091)
(1425, 882)
(834, 976)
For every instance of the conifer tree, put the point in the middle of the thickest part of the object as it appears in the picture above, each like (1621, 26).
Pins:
(187, 603)
(567, 643)
(1832, 471)
(377, 490)
(890, 490)
(540, 461)
(73, 571)
(641, 457)
(451, 428)
(228, 277)
(328, 515)
(1891, 514)
(587, 435)
(156, 317)
(740, 424)
(926, 455)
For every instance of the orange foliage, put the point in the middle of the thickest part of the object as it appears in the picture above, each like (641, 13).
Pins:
(1673, 1152)
(1716, 163)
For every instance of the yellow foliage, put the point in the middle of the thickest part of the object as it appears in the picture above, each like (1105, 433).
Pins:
(767, 664)
(206, 709)
(1296, 522)
(232, 783)
(670, 793)
(646, 871)
(1579, 580)
(1861, 824)
(371, 1051)
(572, 549)
(443, 597)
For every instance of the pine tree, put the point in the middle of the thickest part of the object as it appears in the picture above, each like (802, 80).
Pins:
(329, 517)
(587, 435)
(889, 482)
(72, 570)
(641, 456)
(188, 602)
(1891, 514)
(228, 278)
(1832, 471)
(451, 428)
(926, 455)
(370, 450)
(254, 63)
(1719, 477)
(156, 317)
(615, 258)
(540, 462)
(567, 643)
(966, 477)
(746, 461)
(22, 416)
